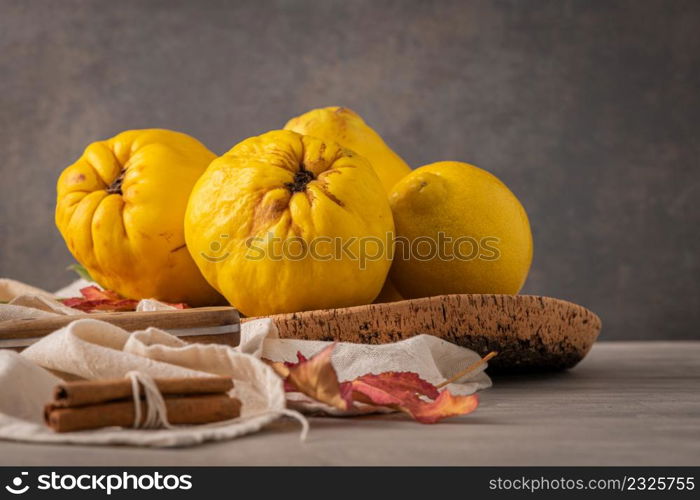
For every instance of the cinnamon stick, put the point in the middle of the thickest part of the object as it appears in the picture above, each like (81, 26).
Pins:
(201, 409)
(79, 393)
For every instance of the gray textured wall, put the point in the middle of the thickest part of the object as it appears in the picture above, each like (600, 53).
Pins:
(589, 110)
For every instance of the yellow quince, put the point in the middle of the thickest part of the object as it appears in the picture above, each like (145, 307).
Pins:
(120, 209)
(347, 128)
(459, 230)
(285, 222)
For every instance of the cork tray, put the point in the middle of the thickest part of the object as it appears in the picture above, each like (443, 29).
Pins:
(530, 333)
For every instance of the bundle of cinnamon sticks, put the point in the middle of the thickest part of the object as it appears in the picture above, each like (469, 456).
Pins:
(105, 403)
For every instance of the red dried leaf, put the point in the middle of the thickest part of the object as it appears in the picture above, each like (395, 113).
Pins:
(398, 384)
(379, 391)
(115, 305)
(95, 300)
(403, 391)
(103, 305)
(74, 302)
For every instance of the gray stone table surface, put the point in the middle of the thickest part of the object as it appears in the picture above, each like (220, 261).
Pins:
(627, 403)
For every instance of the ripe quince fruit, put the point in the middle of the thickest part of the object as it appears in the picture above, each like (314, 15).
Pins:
(348, 129)
(459, 229)
(285, 222)
(120, 209)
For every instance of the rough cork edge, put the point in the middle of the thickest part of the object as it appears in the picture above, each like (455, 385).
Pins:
(530, 333)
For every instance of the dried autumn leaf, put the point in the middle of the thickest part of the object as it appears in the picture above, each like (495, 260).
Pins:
(394, 385)
(446, 405)
(282, 367)
(105, 305)
(94, 293)
(317, 378)
(95, 300)
(403, 391)
(378, 390)
(279, 367)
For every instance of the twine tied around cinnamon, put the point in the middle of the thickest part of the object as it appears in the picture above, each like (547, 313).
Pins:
(156, 412)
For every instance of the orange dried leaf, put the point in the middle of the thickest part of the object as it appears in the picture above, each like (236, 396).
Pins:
(446, 405)
(317, 378)
(280, 368)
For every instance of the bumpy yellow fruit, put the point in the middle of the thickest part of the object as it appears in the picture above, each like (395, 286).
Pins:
(121, 209)
(285, 222)
(459, 230)
(348, 129)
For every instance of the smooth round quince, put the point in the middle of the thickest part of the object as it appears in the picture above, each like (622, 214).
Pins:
(459, 229)
(285, 222)
(120, 208)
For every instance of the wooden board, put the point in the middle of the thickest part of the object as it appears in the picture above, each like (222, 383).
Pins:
(530, 333)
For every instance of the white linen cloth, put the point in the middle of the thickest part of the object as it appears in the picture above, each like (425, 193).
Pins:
(94, 349)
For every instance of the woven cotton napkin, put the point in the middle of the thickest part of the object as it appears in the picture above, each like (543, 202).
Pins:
(94, 349)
